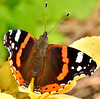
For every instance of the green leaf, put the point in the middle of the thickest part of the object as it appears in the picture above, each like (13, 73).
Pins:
(29, 15)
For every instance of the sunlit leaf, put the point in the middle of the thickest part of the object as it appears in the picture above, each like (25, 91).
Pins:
(7, 81)
(6, 96)
(90, 46)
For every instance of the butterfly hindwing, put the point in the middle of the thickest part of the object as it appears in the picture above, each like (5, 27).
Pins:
(19, 44)
(65, 63)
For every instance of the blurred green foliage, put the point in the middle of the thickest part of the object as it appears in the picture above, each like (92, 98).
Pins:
(29, 15)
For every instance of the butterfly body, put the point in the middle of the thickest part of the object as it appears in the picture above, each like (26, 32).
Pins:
(41, 46)
(52, 66)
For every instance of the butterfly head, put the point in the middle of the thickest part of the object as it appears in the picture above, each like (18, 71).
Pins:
(41, 45)
(43, 38)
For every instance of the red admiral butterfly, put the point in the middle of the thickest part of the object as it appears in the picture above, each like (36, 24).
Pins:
(52, 66)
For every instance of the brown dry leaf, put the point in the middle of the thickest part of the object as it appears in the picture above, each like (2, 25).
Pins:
(61, 96)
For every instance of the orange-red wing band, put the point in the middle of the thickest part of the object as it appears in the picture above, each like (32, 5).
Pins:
(18, 61)
(52, 87)
(17, 74)
(65, 70)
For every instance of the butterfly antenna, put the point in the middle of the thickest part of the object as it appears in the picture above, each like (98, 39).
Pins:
(59, 22)
(45, 15)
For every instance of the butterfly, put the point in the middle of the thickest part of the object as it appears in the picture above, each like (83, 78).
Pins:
(53, 66)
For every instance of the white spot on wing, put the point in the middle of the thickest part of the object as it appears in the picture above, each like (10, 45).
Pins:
(14, 68)
(4, 42)
(90, 60)
(15, 77)
(12, 45)
(79, 57)
(69, 81)
(16, 48)
(84, 67)
(8, 48)
(10, 32)
(5, 36)
(62, 84)
(79, 68)
(10, 54)
(17, 36)
(92, 73)
(76, 76)
(35, 91)
(12, 62)
(72, 67)
(95, 69)
(88, 64)
(10, 41)
(9, 37)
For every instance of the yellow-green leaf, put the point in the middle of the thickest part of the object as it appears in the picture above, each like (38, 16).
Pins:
(6, 96)
(90, 46)
(7, 81)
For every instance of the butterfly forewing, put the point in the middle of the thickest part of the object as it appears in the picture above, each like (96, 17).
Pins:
(19, 43)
